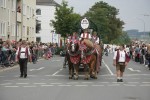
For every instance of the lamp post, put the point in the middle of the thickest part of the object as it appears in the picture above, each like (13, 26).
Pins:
(147, 15)
(143, 27)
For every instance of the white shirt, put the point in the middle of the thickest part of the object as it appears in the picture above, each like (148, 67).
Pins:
(122, 56)
(97, 41)
(127, 50)
(22, 52)
(85, 35)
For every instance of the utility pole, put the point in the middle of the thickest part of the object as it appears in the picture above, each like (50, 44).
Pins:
(143, 27)
(147, 15)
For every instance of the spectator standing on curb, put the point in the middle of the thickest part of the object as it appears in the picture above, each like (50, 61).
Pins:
(120, 60)
(22, 55)
(147, 56)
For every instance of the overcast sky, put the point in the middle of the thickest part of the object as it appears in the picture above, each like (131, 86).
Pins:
(130, 11)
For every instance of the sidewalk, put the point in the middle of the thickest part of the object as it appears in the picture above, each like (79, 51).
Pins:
(2, 69)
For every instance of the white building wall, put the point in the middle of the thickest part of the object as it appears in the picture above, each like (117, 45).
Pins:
(47, 14)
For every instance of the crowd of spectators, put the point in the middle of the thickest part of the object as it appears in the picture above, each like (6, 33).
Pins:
(137, 50)
(139, 53)
(38, 50)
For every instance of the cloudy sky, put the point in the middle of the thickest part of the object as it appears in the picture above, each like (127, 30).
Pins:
(130, 11)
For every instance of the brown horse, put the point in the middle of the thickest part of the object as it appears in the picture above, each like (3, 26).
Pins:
(74, 58)
(88, 59)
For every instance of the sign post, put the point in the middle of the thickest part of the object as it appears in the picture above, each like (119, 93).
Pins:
(84, 23)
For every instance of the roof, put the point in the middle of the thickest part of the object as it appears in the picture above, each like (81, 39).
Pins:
(46, 2)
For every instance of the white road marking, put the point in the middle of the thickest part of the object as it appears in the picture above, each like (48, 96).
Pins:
(114, 85)
(97, 85)
(9, 80)
(115, 82)
(73, 83)
(6, 84)
(135, 78)
(133, 82)
(39, 83)
(87, 82)
(30, 86)
(146, 82)
(12, 86)
(56, 60)
(129, 85)
(107, 67)
(145, 85)
(37, 69)
(57, 72)
(46, 85)
(55, 83)
(64, 85)
(22, 83)
(103, 82)
(131, 69)
(81, 85)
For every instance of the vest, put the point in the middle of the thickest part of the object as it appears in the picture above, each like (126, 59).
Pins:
(85, 36)
(93, 40)
(127, 58)
(26, 52)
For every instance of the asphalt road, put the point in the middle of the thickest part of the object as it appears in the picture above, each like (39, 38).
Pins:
(48, 80)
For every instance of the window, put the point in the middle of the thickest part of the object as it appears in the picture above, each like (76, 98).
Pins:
(3, 3)
(33, 13)
(13, 29)
(18, 29)
(24, 31)
(33, 32)
(38, 39)
(2, 28)
(24, 9)
(38, 11)
(13, 5)
(28, 30)
(28, 12)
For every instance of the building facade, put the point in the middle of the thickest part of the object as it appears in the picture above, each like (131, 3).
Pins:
(7, 19)
(45, 10)
(10, 10)
(26, 19)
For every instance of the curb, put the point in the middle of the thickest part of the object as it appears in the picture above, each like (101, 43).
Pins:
(16, 66)
(6, 69)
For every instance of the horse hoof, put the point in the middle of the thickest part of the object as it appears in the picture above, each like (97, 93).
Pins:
(75, 78)
(70, 77)
(95, 78)
(86, 78)
(91, 76)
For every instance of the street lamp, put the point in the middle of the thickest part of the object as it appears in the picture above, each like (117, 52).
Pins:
(143, 27)
(147, 15)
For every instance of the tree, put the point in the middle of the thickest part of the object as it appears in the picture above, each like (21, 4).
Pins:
(65, 19)
(105, 17)
(122, 39)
